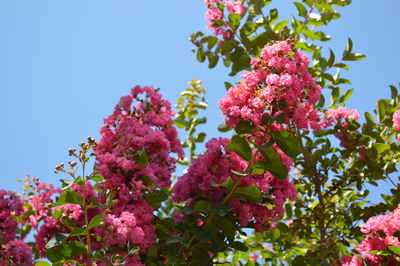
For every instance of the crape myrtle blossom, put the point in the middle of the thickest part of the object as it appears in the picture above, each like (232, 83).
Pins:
(134, 156)
(216, 20)
(12, 251)
(379, 235)
(215, 167)
(396, 123)
(51, 225)
(16, 252)
(10, 208)
(41, 202)
(279, 82)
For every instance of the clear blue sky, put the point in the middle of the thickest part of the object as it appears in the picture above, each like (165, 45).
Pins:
(65, 64)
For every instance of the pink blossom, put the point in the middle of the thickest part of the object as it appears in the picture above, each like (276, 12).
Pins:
(379, 233)
(253, 257)
(10, 207)
(214, 167)
(396, 120)
(279, 77)
(351, 261)
(235, 7)
(16, 252)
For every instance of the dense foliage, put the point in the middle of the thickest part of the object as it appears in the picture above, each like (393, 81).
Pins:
(285, 186)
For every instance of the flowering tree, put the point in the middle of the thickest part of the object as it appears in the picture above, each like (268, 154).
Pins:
(285, 186)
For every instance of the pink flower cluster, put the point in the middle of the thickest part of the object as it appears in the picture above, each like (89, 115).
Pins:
(215, 16)
(135, 147)
(12, 251)
(41, 202)
(214, 167)
(379, 233)
(10, 207)
(16, 252)
(396, 122)
(342, 113)
(279, 81)
(339, 117)
(51, 225)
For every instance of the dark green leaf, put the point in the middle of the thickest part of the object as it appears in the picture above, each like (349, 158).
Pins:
(96, 221)
(97, 178)
(224, 127)
(65, 251)
(142, 158)
(244, 127)
(395, 249)
(289, 143)
(239, 246)
(228, 85)
(277, 168)
(302, 11)
(201, 56)
(68, 197)
(250, 193)
(228, 184)
(219, 210)
(202, 206)
(241, 147)
(227, 226)
(234, 20)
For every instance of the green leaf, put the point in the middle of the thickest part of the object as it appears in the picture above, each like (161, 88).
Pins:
(219, 210)
(381, 109)
(279, 26)
(97, 178)
(228, 184)
(65, 251)
(212, 60)
(68, 197)
(394, 92)
(201, 56)
(228, 85)
(346, 96)
(241, 147)
(58, 213)
(239, 246)
(174, 239)
(212, 41)
(248, 28)
(234, 20)
(229, 45)
(349, 47)
(96, 221)
(77, 231)
(331, 60)
(141, 157)
(354, 57)
(244, 127)
(251, 193)
(381, 147)
(289, 143)
(277, 169)
(201, 137)
(275, 234)
(42, 263)
(56, 240)
(395, 249)
(224, 127)
(227, 226)
(155, 198)
(202, 206)
(302, 11)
